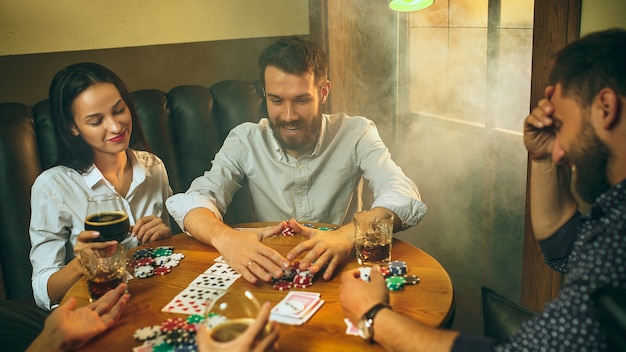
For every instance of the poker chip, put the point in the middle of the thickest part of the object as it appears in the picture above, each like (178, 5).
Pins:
(147, 333)
(165, 247)
(143, 262)
(162, 270)
(158, 261)
(179, 337)
(214, 320)
(144, 271)
(172, 324)
(288, 231)
(192, 347)
(162, 347)
(171, 263)
(282, 285)
(324, 228)
(397, 268)
(162, 252)
(385, 271)
(177, 256)
(395, 283)
(412, 279)
(309, 226)
(142, 253)
(194, 319)
(305, 285)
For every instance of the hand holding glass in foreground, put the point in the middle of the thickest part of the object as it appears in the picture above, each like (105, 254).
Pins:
(246, 341)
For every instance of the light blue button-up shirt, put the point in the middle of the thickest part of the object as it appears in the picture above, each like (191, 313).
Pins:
(320, 186)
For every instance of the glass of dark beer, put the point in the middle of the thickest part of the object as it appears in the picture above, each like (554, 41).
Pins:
(106, 214)
(105, 269)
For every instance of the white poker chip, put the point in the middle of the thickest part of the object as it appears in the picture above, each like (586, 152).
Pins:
(144, 271)
(214, 321)
(171, 263)
(177, 256)
(147, 333)
(161, 260)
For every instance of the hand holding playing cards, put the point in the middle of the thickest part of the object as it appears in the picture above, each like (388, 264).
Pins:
(67, 328)
(325, 248)
(357, 296)
(247, 341)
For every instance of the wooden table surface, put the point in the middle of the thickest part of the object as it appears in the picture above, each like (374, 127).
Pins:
(430, 302)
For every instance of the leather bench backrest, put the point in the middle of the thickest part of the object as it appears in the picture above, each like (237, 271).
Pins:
(185, 127)
(19, 166)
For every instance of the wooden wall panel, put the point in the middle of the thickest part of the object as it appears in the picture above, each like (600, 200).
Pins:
(556, 23)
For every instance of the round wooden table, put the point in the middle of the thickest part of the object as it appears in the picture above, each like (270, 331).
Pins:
(430, 302)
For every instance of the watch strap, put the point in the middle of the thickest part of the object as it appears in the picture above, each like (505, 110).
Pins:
(369, 317)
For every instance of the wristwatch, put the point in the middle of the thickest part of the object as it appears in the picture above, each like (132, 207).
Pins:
(365, 325)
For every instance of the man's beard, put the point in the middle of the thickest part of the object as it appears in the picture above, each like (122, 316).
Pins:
(312, 130)
(591, 157)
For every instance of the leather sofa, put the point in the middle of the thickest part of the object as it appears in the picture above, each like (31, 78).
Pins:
(185, 127)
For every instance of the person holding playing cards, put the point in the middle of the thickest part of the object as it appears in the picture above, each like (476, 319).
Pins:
(577, 132)
(298, 164)
(96, 129)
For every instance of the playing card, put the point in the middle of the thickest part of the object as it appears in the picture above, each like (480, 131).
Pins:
(213, 281)
(297, 321)
(219, 259)
(296, 308)
(351, 329)
(192, 300)
(295, 304)
(222, 269)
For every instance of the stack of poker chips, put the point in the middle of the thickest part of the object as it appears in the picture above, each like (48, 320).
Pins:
(155, 261)
(174, 334)
(293, 277)
(395, 275)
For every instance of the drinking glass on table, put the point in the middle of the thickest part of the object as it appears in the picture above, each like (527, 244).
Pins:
(105, 268)
(230, 315)
(373, 234)
(106, 214)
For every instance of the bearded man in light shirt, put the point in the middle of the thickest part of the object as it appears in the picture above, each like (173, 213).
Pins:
(298, 164)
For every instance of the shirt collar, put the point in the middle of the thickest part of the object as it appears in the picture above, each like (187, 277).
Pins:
(93, 176)
(609, 200)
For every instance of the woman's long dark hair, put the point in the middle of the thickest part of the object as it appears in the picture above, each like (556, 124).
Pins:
(68, 84)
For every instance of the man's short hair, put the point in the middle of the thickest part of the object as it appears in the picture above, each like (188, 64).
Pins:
(594, 62)
(295, 55)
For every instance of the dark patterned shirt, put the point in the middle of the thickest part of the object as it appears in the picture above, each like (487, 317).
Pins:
(591, 251)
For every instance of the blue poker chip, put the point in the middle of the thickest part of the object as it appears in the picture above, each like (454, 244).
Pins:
(142, 253)
(397, 268)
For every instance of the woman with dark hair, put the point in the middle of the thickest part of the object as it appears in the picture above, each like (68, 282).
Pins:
(96, 127)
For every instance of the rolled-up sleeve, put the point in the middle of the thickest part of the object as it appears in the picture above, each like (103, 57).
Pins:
(179, 205)
(392, 189)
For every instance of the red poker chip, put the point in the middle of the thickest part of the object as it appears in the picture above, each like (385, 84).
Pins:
(172, 324)
(302, 285)
(282, 285)
(143, 262)
(162, 270)
(302, 280)
(385, 271)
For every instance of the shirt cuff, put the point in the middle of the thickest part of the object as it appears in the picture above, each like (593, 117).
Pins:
(472, 343)
(179, 205)
(560, 244)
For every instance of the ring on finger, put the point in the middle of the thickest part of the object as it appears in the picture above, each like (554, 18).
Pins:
(248, 265)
